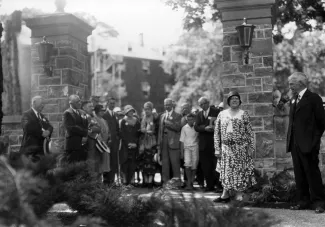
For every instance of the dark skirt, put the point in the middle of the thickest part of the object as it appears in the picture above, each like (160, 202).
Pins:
(146, 163)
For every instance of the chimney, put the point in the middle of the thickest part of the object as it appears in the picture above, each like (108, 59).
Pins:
(141, 39)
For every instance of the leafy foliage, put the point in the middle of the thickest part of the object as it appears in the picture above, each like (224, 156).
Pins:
(306, 53)
(101, 205)
(280, 187)
(196, 61)
(300, 11)
(197, 11)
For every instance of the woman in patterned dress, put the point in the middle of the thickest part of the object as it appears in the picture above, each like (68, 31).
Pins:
(148, 145)
(234, 147)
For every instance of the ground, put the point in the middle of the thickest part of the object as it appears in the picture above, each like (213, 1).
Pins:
(287, 218)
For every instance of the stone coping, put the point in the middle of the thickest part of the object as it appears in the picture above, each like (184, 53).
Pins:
(57, 18)
(11, 119)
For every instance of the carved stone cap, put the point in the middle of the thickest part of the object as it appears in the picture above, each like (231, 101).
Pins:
(60, 5)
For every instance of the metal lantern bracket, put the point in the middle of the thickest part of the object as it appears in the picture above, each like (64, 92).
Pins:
(45, 50)
(245, 34)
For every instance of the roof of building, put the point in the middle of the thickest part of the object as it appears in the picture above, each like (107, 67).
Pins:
(116, 46)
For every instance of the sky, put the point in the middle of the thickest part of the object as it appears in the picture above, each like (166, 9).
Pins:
(160, 25)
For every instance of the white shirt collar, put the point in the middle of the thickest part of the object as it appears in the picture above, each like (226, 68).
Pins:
(188, 126)
(170, 112)
(110, 111)
(74, 110)
(207, 112)
(36, 113)
(302, 93)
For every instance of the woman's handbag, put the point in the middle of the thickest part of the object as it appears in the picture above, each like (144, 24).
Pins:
(101, 146)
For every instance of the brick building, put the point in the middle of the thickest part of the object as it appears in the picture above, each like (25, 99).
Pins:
(139, 67)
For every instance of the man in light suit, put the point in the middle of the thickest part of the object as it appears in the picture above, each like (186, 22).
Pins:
(168, 141)
(204, 126)
(306, 127)
(113, 126)
(76, 131)
(36, 129)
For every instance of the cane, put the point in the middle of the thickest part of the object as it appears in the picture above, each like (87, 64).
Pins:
(119, 181)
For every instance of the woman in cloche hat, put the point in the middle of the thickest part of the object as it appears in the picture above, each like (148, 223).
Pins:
(130, 132)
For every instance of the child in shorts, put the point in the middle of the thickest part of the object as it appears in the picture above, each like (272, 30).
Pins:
(190, 149)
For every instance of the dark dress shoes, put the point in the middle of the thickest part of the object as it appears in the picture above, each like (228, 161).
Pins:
(319, 210)
(219, 190)
(221, 200)
(298, 207)
(209, 190)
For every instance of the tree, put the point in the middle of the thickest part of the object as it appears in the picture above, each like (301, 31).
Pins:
(196, 61)
(306, 53)
(285, 11)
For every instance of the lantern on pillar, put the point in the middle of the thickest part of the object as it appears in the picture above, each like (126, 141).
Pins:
(245, 34)
(45, 50)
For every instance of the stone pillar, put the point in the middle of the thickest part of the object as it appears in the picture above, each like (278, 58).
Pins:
(69, 60)
(253, 81)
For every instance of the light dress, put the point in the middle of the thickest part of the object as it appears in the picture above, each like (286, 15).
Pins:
(234, 140)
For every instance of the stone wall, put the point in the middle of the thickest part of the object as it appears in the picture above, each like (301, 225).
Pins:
(254, 82)
(11, 134)
(70, 62)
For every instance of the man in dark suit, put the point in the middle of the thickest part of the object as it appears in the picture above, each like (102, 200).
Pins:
(113, 125)
(76, 131)
(36, 129)
(306, 126)
(204, 126)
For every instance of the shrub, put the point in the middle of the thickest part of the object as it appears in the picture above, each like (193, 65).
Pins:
(30, 191)
(281, 187)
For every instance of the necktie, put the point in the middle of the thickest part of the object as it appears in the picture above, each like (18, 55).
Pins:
(298, 99)
(39, 116)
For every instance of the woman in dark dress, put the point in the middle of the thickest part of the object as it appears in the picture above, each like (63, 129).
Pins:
(148, 145)
(130, 132)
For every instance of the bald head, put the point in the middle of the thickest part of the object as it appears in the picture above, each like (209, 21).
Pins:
(37, 103)
(185, 109)
(204, 103)
(168, 104)
(75, 102)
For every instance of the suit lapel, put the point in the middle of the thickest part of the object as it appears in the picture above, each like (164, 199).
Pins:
(33, 115)
(292, 106)
(303, 100)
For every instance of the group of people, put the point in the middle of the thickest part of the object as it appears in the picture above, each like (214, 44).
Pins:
(214, 146)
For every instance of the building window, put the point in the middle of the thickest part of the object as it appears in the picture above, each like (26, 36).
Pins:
(146, 66)
(145, 89)
(168, 89)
